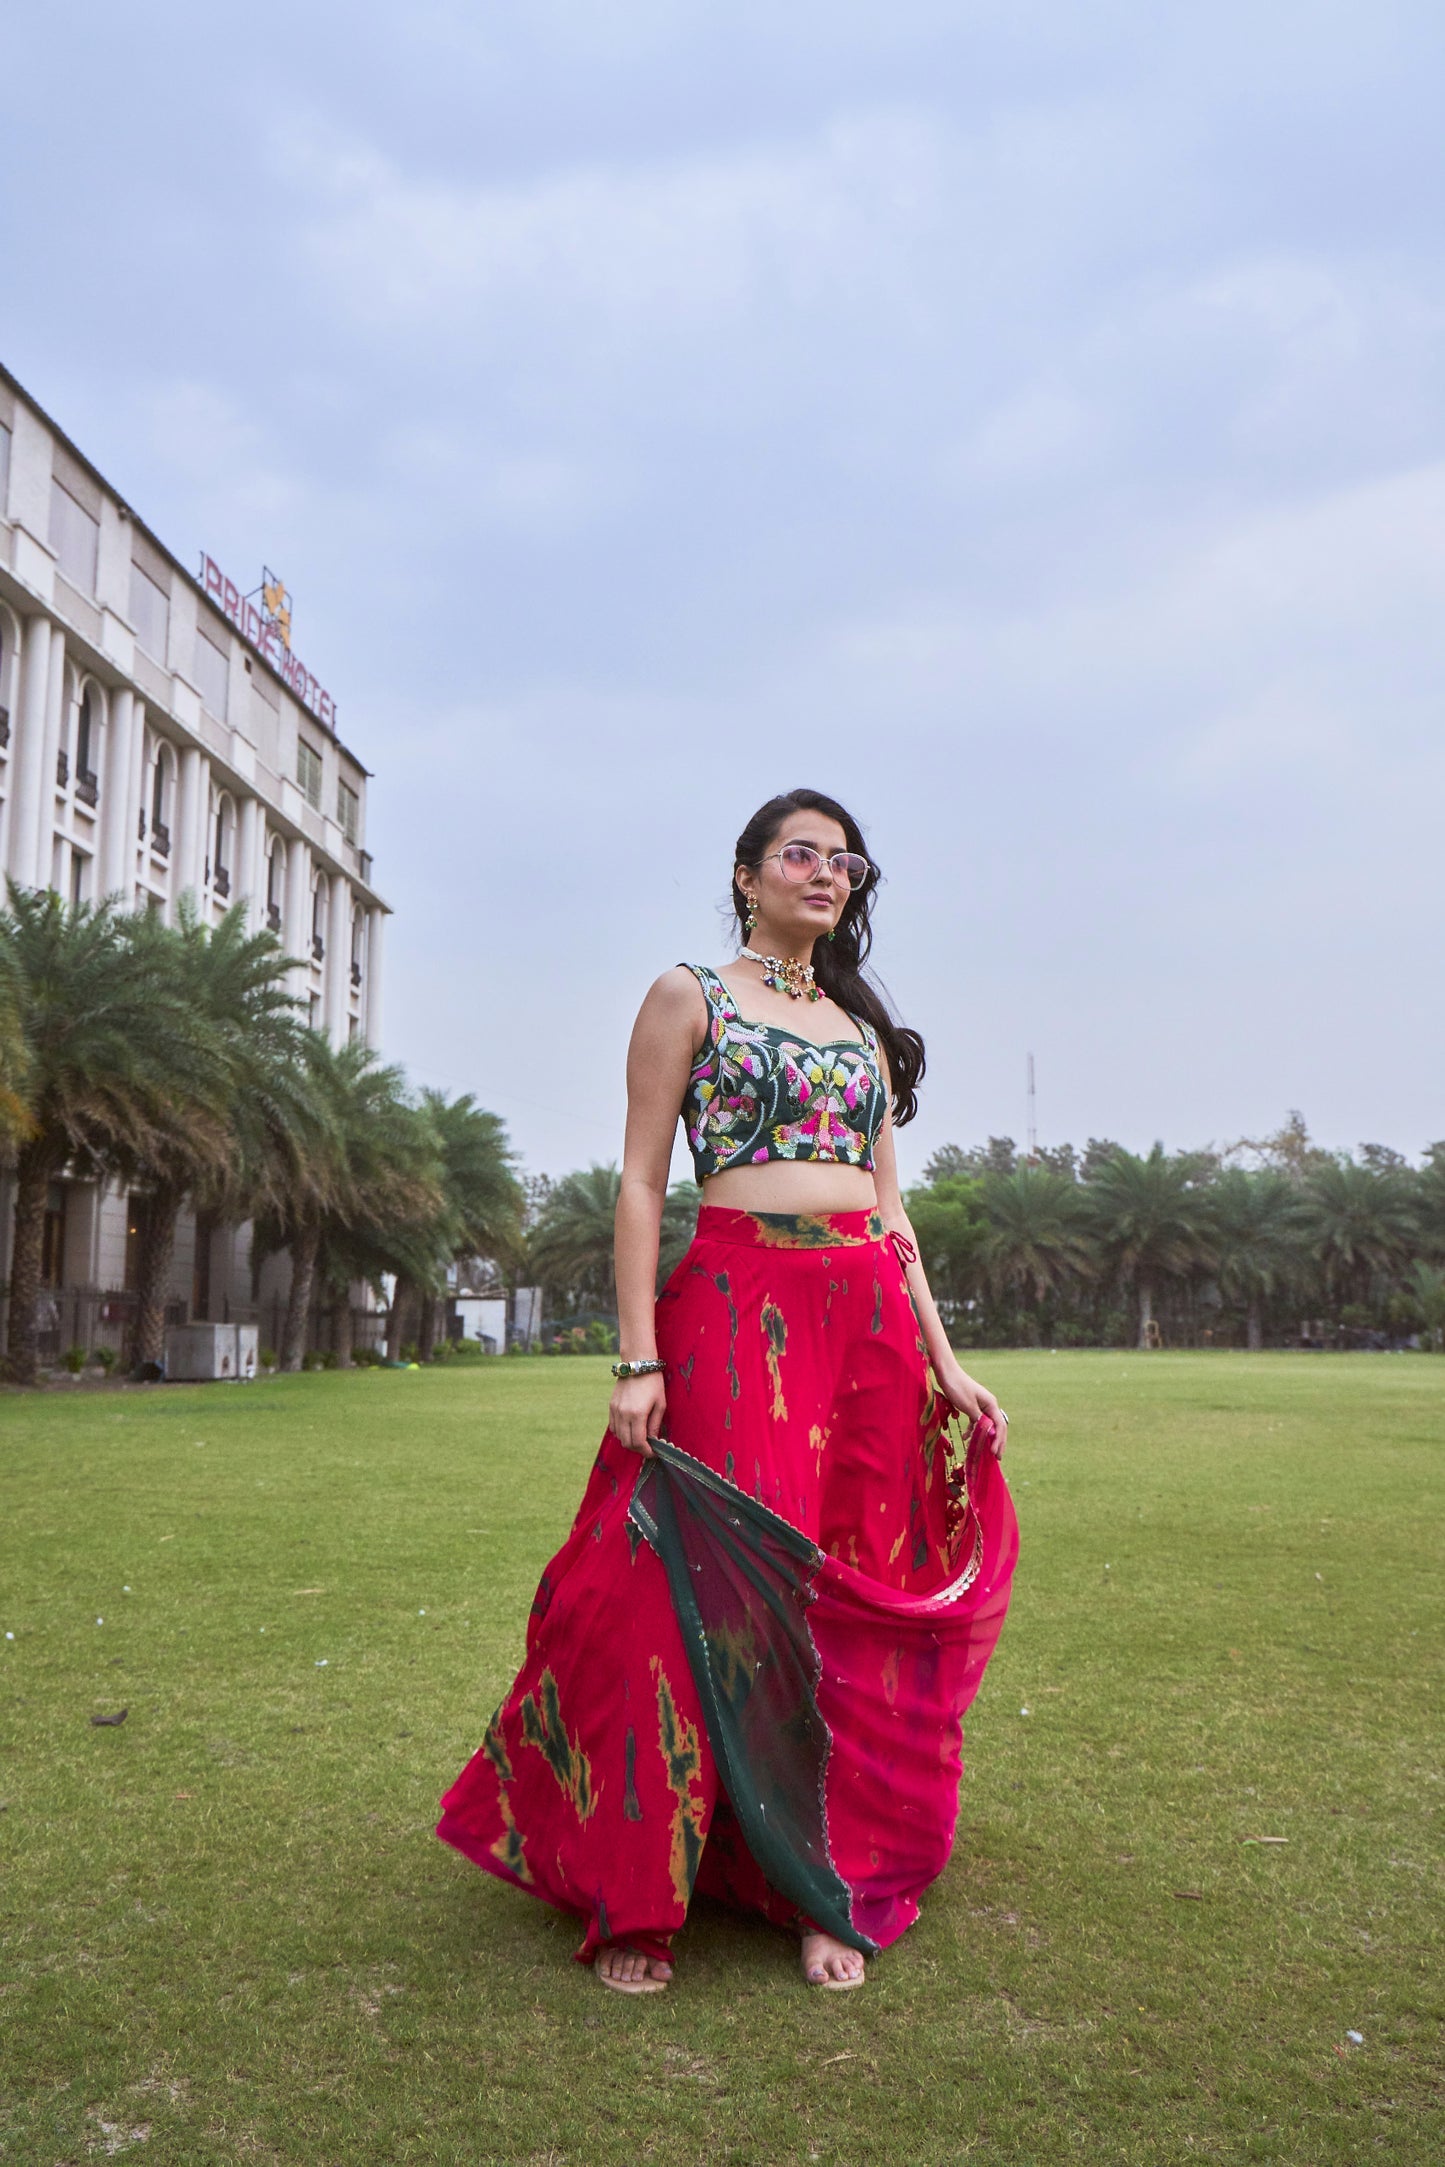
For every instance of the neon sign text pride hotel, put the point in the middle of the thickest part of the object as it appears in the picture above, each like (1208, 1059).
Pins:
(270, 642)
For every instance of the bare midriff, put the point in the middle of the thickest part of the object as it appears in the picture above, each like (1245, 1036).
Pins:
(792, 1185)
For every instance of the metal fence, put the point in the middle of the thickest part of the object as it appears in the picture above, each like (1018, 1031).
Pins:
(86, 1318)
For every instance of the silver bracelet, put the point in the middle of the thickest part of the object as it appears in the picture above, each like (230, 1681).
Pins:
(650, 1368)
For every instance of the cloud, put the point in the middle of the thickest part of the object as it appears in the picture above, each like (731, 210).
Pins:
(684, 245)
(1027, 420)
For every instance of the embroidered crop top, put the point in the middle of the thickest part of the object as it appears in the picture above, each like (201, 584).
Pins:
(761, 1091)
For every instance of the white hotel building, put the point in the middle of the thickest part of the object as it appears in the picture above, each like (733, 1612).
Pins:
(149, 746)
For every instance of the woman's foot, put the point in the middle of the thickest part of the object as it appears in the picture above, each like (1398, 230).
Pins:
(628, 1971)
(831, 1963)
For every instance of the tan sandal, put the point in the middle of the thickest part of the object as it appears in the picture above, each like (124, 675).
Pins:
(645, 1985)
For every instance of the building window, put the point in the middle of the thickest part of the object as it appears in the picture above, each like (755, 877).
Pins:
(348, 811)
(87, 741)
(275, 873)
(52, 1241)
(358, 945)
(160, 802)
(211, 672)
(7, 673)
(84, 731)
(137, 1226)
(308, 771)
(319, 896)
(150, 612)
(201, 1268)
(79, 877)
(75, 538)
(220, 864)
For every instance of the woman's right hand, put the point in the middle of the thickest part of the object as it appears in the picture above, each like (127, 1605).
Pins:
(638, 1411)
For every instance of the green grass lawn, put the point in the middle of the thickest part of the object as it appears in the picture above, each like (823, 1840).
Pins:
(227, 1923)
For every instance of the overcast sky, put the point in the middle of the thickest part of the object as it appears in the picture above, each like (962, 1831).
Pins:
(1026, 422)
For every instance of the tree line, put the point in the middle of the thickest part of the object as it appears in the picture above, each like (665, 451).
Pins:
(1266, 1242)
(174, 1059)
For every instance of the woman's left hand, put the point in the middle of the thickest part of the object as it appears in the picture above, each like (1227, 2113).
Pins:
(971, 1399)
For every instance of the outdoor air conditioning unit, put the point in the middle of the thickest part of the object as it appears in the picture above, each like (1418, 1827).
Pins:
(198, 1353)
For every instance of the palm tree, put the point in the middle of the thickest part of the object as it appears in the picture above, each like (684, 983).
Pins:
(1036, 1241)
(393, 1203)
(1150, 1223)
(1361, 1225)
(301, 1170)
(946, 1214)
(103, 1035)
(679, 1224)
(13, 1058)
(389, 1191)
(482, 1196)
(1425, 1289)
(417, 1187)
(1430, 1200)
(571, 1244)
(244, 1032)
(1256, 1221)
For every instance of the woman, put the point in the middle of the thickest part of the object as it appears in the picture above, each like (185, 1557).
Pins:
(747, 1666)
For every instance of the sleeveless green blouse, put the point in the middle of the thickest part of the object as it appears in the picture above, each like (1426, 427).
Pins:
(761, 1091)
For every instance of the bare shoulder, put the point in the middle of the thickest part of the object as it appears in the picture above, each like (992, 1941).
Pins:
(674, 1003)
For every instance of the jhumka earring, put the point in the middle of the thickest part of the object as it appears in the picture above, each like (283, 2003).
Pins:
(751, 920)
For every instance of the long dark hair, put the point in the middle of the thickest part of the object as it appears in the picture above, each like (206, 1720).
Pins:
(838, 963)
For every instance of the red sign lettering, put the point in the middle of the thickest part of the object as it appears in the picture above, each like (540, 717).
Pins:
(263, 633)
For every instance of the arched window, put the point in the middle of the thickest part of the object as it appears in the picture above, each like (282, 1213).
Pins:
(87, 745)
(222, 851)
(9, 648)
(275, 882)
(320, 896)
(162, 788)
(358, 943)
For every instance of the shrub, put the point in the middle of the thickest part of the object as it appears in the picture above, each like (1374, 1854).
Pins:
(105, 1358)
(1068, 1332)
(601, 1339)
(75, 1359)
(408, 1351)
(268, 1358)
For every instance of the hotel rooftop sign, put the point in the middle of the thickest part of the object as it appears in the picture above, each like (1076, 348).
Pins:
(263, 617)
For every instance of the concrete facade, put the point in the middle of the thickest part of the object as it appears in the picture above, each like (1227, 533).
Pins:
(148, 750)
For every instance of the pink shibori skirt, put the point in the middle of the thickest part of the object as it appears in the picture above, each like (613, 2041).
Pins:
(747, 1666)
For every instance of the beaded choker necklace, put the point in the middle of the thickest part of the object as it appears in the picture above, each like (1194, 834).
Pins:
(786, 975)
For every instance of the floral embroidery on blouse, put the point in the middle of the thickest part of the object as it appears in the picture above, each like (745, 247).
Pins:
(760, 1091)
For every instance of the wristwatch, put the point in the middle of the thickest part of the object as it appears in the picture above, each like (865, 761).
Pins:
(651, 1368)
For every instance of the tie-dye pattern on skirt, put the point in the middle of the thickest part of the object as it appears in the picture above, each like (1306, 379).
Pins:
(747, 1667)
